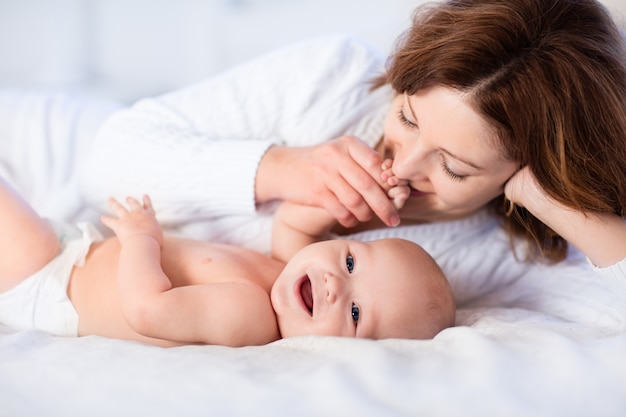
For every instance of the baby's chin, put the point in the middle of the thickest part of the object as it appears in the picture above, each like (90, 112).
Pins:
(286, 332)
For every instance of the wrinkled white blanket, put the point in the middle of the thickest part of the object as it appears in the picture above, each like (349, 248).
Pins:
(499, 362)
(533, 347)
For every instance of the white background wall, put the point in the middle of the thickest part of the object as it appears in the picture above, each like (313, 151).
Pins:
(126, 49)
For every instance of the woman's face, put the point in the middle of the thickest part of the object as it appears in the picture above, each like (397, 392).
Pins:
(448, 153)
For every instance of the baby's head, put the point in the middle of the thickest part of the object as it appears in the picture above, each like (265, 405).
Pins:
(389, 288)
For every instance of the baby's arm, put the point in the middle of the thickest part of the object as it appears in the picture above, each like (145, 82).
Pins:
(225, 313)
(297, 226)
(140, 275)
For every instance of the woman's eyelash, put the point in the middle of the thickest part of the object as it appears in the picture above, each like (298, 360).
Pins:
(450, 173)
(405, 121)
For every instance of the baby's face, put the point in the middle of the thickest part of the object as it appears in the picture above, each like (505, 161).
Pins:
(347, 288)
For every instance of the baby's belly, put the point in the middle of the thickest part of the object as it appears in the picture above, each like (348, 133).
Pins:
(93, 291)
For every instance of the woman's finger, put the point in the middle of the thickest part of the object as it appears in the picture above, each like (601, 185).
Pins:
(364, 177)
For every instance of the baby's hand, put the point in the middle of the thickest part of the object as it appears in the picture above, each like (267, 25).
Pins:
(137, 219)
(397, 190)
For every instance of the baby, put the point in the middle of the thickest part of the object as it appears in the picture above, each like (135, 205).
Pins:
(168, 291)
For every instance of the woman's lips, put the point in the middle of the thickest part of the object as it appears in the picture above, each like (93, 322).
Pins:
(305, 294)
(417, 193)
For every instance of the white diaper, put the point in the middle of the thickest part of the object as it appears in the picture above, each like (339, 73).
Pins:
(41, 301)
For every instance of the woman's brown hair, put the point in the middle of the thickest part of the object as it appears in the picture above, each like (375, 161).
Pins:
(549, 76)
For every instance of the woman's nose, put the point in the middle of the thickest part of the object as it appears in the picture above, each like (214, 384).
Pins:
(408, 162)
(333, 286)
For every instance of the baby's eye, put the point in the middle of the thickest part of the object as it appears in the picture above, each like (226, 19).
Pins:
(356, 313)
(350, 263)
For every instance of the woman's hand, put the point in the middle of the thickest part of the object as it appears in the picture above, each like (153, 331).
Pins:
(342, 176)
(522, 189)
(600, 236)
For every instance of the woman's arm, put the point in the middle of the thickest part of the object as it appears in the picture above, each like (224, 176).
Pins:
(208, 150)
(600, 236)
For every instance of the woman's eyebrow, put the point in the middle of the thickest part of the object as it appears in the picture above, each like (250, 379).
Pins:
(458, 158)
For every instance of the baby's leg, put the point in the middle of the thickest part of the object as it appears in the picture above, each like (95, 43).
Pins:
(27, 242)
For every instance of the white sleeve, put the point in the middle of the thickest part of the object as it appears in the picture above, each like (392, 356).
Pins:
(196, 150)
(615, 276)
(569, 290)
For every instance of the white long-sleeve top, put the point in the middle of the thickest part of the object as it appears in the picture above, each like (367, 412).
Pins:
(196, 152)
(197, 149)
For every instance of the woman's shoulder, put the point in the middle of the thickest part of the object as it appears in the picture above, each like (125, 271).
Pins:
(321, 55)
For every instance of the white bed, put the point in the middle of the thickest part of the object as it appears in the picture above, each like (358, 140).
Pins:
(497, 362)
(549, 347)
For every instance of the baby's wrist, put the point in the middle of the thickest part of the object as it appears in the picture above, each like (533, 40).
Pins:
(141, 235)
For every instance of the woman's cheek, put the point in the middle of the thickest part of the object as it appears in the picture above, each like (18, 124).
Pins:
(457, 194)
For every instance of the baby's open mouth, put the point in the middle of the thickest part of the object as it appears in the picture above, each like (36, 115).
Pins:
(306, 294)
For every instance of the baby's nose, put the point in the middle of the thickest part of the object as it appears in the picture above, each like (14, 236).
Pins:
(333, 286)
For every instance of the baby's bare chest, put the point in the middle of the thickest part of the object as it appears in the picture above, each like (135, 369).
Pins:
(188, 262)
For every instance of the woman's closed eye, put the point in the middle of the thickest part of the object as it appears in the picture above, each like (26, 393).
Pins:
(406, 121)
(453, 175)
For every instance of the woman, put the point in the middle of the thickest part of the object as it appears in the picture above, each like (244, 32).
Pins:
(508, 105)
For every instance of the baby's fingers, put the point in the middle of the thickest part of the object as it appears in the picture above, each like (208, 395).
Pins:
(108, 221)
(117, 207)
(147, 203)
(133, 204)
